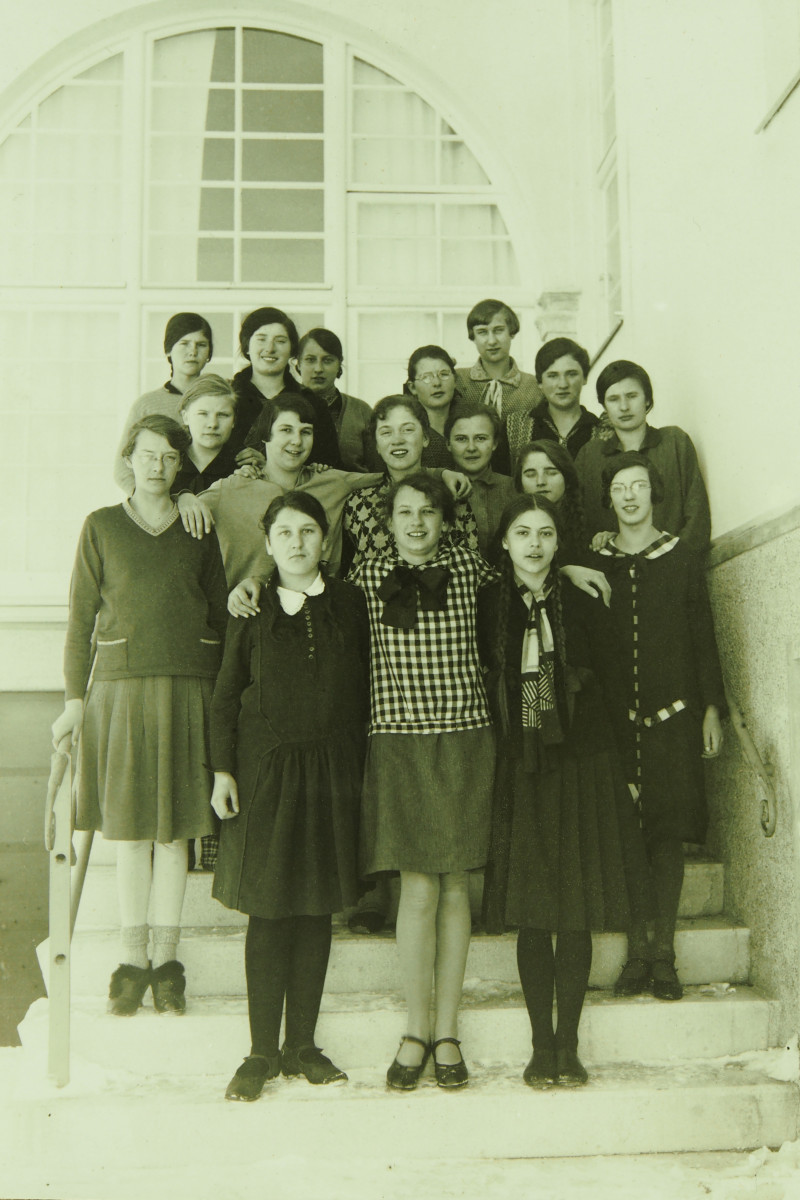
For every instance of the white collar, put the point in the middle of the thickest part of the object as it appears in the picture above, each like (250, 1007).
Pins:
(292, 601)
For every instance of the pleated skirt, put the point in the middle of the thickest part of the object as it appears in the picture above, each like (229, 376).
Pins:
(142, 755)
(426, 802)
(567, 852)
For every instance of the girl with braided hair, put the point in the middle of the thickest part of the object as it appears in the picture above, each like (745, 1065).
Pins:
(566, 851)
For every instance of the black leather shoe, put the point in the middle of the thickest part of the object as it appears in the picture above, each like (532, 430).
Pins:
(404, 1078)
(311, 1062)
(248, 1082)
(450, 1075)
(571, 1071)
(542, 1071)
(169, 987)
(127, 988)
(666, 985)
(634, 978)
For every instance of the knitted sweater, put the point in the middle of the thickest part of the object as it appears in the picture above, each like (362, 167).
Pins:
(158, 600)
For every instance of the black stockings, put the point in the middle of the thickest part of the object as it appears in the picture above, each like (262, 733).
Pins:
(666, 874)
(285, 958)
(543, 974)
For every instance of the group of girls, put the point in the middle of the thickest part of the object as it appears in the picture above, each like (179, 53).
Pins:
(474, 696)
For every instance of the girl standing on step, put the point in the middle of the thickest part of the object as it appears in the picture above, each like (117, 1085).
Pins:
(666, 697)
(146, 621)
(566, 849)
(288, 731)
(430, 760)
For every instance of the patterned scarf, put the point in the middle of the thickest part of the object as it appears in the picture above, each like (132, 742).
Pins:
(538, 663)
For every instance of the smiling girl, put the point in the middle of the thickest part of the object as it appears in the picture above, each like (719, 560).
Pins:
(625, 391)
(287, 735)
(430, 761)
(319, 363)
(565, 846)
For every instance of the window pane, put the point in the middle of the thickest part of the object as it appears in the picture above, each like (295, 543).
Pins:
(218, 154)
(282, 112)
(214, 259)
(392, 112)
(216, 208)
(459, 166)
(399, 161)
(172, 259)
(380, 333)
(185, 58)
(173, 209)
(282, 209)
(364, 73)
(82, 108)
(417, 220)
(170, 105)
(223, 65)
(399, 263)
(284, 160)
(472, 220)
(289, 260)
(220, 111)
(279, 58)
(473, 263)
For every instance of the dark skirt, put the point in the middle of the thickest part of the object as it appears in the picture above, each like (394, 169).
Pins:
(292, 850)
(673, 780)
(142, 754)
(567, 851)
(426, 801)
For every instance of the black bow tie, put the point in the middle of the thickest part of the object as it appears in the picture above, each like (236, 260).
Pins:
(404, 588)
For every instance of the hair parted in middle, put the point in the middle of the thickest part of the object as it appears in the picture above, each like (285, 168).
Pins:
(570, 507)
(557, 348)
(326, 339)
(621, 462)
(615, 372)
(206, 386)
(430, 486)
(177, 435)
(294, 402)
(483, 312)
(386, 405)
(266, 316)
(297, 501)
(466, 410)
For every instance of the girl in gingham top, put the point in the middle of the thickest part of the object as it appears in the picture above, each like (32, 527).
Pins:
(429, 771)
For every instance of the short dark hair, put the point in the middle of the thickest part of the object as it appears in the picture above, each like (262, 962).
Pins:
(290, 402)
(183, 323)
(208, 385)
(177, 435)
(266, 316)
(428, 352)
(559, 456)
(325, 338)
(615, 372)
(384, 406)
(483, 312)
(298, 501)
(621, 462)
(465, 410)
(431, 487)
(557, 348)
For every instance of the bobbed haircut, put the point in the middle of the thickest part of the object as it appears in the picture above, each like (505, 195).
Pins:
(429, 352)
(291, 402)
(297, 501)
(559, 456)
(483, 312)
(557, 348)
(431, 487)
(181, 324)
(266, 316)
(631, 458)
(326, 339)
(522, 504)
(615, 372)
(177, 435)
(206, 386)
(466, 410)
(388, 403)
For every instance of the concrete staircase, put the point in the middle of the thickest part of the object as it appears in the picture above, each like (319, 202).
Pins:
(664, 1077)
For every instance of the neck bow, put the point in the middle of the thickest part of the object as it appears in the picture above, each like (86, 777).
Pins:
(405, 589)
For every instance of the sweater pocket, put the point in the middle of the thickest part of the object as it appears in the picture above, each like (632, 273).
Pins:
(210, 655)
(112, 655)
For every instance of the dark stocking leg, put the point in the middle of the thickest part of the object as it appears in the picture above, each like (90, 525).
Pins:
(666, 865)
(573, 962)
(266, 959)
(311, 947)
(537, 976)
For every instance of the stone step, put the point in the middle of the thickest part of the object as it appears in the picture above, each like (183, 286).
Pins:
(625, 1109)
(701, 895)
(363, 1029)
(708, 950)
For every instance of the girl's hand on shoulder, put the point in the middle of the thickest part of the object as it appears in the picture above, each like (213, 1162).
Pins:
(457, 484)
(225, 796)
(594, 583)
(601, 540)
(318, 468)
(712, 732)
(248, 456)
(69, 723)
(249, 471)
(243, 600)
(197, 518)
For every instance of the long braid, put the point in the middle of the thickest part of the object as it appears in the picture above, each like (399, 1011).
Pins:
(500, 640)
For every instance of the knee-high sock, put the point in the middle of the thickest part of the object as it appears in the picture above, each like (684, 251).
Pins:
(310, 950)
(537, 976)
(666, 866)
(572, 965)
(267, 952)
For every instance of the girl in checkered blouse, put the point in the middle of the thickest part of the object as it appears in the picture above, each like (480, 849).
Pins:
(667, 696)
(566, 849)
(430, 761)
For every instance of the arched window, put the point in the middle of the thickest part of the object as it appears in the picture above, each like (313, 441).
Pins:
(217, 169)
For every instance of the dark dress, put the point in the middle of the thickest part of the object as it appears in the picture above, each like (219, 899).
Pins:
(566, 850)
(250, 426)
(667, 658)
(288, 721)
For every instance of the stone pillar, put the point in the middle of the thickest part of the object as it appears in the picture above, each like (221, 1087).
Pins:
(558, 315)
